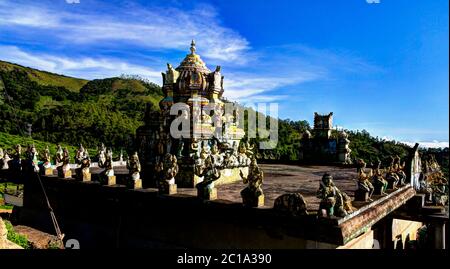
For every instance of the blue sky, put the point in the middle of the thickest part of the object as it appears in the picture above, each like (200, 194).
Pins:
(382, 67)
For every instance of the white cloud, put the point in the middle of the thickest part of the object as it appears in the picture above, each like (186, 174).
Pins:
(429, 144)
(168, 28)
(245, 87)
(85, 67)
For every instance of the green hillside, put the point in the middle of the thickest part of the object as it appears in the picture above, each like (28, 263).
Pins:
(8, 141)
(70, 110)
(46, 78)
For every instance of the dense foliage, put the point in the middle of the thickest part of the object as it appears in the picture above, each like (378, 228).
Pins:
(106, 110)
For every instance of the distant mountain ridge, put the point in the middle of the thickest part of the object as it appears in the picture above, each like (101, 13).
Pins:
(46, 78)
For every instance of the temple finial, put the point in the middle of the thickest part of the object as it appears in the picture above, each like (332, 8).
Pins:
(193, 47)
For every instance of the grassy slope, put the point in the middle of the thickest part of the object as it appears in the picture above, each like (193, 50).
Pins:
(47, 78)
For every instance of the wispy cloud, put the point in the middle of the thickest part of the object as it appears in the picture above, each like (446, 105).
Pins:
(247, 87)
(86, 67)
(252, 74)
(155, 28)
(429, 144)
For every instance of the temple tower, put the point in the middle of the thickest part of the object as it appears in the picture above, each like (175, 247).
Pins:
(193, 85)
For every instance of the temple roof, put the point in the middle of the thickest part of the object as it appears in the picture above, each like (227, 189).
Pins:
(193, 62)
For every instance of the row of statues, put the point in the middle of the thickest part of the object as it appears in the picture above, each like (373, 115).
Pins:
(376, 181)
(31, 163)
(433, 183)
(208, 168)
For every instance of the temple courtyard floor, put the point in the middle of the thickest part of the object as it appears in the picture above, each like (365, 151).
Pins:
(280, 179)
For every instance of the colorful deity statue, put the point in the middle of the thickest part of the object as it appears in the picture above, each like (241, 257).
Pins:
(85, 167)
(84, 161)
(134, 169)
(216, 155)
(46, 158)
(80, 155)
(210, 173)
(398, 167)
(440, 191)
(134, 166)
(16, 162)
(334, 202)
(101, 155)
(244, 153)
(58, 155)
(425, 188)
(168, 170)
(365, 187)
(109, 166)
(4, 161)
(64, 170)
(252, 195)
(391, 176)
(46, 167)
(378, 181)
(31, 164)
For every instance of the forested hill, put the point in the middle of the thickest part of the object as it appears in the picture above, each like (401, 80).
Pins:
(72, 110)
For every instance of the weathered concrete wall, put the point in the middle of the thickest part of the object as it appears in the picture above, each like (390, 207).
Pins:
(114, 216)
(404, 229)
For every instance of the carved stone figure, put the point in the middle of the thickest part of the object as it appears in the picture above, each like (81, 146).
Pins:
(108, 173)
(134, 169)
(365, 188)
(215, 154)
(378, 181)
(46, 169)
(391, 176)
(399, 171)
(334, 202)
(291, 203)
(180, 148)
(64, 170)
(210, 173)
(85, 167)
(31, 163)
(168, 170)
(58, 156)
(84, 161)
(80, 154)
(243, 159)
(440, 191)
(425, 188)
(101, 155)
(4, 162)
(171, 75)
(16, 162)
(217, 79)
(109, 167)
(252, 195)
(194, 149)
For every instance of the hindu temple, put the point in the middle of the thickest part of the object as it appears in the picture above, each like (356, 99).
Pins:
(321, 146)
(194, 92)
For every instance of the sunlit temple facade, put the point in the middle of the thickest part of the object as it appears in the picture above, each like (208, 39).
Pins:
(194, 87)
